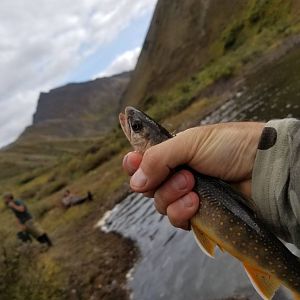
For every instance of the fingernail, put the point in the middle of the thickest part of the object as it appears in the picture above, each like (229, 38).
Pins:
(179, 182)
(127, 163)
(138, 179)
(187, 201)
(125, 160)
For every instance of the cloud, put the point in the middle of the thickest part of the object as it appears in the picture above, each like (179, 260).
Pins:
(124, 62)
(42, 43)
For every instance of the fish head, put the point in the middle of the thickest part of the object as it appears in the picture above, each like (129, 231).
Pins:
(141, 131)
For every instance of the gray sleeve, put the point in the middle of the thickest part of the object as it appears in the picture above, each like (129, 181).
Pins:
(276, 178)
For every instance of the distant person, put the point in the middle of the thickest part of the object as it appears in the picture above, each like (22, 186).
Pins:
(70, 199)
(28, 226)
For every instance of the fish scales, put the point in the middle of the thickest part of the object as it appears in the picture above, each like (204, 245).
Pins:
(240, 233)
(224, 219)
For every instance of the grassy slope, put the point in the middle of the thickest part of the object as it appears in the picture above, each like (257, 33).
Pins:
(82, 258)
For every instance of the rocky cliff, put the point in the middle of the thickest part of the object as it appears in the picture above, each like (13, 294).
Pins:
(187, 36)
(178, 43)
(79, 109)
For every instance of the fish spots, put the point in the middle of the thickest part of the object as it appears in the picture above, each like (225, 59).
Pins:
(239, 234)
(221, 223)
(230, 228)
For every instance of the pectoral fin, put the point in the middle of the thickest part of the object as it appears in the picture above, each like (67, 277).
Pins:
(265, 284)
(206, 245)
(296, 296)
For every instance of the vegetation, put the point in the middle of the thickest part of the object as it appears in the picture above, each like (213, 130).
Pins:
(258, 30)
(76, 263)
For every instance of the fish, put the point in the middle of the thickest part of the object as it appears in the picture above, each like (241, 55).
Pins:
(223, 220)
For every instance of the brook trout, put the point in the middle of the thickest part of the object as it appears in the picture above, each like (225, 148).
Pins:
(224, 220)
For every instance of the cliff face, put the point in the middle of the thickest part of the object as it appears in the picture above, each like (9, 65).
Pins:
(178, 43)
(79, 109)
(187, 36)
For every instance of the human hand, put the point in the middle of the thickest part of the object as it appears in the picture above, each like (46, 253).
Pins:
(11, 204)
(226, 151)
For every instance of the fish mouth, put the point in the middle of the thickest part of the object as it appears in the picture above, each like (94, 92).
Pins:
(124, 122)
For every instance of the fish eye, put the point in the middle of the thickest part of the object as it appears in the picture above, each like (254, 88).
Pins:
(136, 126)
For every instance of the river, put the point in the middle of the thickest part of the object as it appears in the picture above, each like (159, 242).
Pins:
(171, 264)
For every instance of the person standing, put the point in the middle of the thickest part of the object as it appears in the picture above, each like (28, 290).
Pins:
(29, 227)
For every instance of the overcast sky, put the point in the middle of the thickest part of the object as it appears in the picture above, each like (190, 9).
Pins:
(48, 43)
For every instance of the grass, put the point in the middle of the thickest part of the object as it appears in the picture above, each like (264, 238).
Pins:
(96, 165)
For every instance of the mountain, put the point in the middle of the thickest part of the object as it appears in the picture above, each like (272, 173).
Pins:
(78, 109)
(187, 36)
(178, 43)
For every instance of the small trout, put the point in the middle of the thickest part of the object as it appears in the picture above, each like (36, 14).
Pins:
(224, 221)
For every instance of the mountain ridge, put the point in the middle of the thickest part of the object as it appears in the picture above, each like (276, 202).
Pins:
(79, 109)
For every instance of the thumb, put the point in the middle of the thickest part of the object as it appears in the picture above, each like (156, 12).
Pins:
(159, 161)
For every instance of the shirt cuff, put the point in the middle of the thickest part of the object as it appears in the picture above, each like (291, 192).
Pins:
(275, 172)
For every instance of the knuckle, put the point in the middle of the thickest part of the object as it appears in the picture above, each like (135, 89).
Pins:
(175, 222)
(160, 209)
(175, 219)
(150, 157)
(160, 203)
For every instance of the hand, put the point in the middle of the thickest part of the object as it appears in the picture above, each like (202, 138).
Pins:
(226, 151)
(11, 204)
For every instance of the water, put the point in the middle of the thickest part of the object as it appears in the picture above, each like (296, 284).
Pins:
(171, 265)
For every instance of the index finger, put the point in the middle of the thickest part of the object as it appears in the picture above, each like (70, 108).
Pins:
(159, 161)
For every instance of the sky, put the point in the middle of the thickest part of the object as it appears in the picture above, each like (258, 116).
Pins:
(48, 43)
